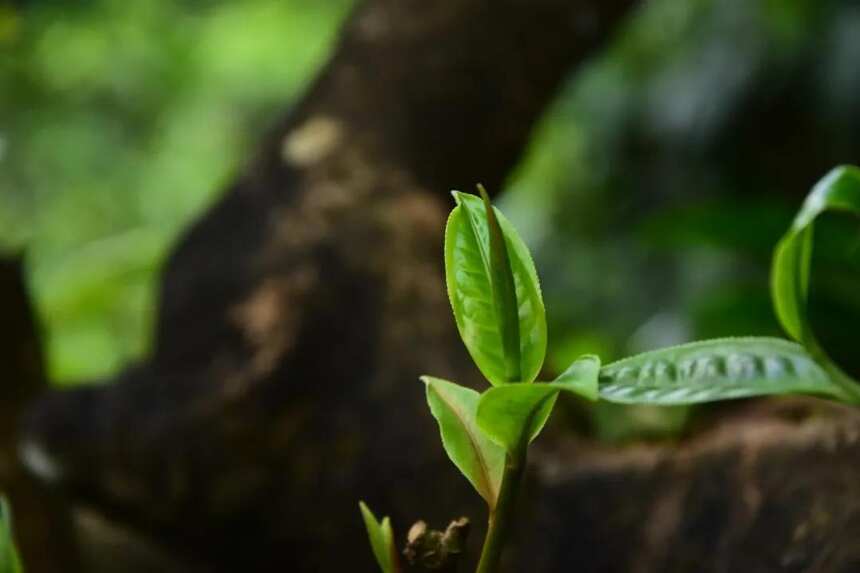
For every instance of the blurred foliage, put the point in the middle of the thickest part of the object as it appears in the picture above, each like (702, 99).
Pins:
(9, 559)
(658, 185)
(119, 122)
(652, 195)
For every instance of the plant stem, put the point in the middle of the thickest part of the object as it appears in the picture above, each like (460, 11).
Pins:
(848, 386)
(502, 515)
(846, 383)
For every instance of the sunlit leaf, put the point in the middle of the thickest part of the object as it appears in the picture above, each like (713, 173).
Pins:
(9, 560)
(505, 334)
(478, 458)
(381, 540)
(513, 415)
(713, 370)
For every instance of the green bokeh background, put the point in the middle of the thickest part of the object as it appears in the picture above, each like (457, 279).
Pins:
(119, 123)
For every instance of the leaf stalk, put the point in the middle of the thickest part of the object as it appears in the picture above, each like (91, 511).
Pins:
(502, 515)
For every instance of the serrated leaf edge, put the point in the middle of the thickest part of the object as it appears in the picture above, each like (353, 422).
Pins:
(486, 488)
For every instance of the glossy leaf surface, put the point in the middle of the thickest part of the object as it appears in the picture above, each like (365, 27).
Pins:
(713, 370)
(505, 334)
(504, 293)
(381, 539)
(839, 190)
(9, 560)
(513, 415)
(478, 458)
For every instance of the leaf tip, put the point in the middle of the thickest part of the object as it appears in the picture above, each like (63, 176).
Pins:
(364, 509)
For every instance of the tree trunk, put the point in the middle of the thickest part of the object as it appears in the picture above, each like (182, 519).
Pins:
(770, 486)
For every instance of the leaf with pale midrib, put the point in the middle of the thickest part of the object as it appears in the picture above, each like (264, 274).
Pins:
(714, 370)
(504, 293)
(503, 328)
(478, 458)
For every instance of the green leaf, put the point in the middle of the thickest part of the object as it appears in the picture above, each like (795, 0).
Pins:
(9, 560)
(504, 331)
(839, 190)
(504, 293)
(479, 459)
(713, 370)
(381, 540)
(513, 415)
(581, 377)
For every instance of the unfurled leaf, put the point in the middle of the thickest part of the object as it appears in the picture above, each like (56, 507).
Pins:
(792, 262)
(839, 190)
(9, 560)
(381, 540)
(478, 458)
(504, 330)
(715, 370)
(513, 415)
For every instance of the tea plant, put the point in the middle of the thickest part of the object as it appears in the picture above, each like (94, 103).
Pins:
(499, 311)
(497, 304)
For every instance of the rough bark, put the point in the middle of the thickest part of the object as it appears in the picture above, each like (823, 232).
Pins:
(772, 486)
(296, 316)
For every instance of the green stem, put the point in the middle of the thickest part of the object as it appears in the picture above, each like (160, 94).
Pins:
(845, 382)
(501, 516)
(848, 385)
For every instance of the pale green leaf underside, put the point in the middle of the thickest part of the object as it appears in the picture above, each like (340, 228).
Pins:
(9, 560)
(479, 315)
(381, 539)
(839, 190)
(713, 370)
(479, 459)
(514, 414)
